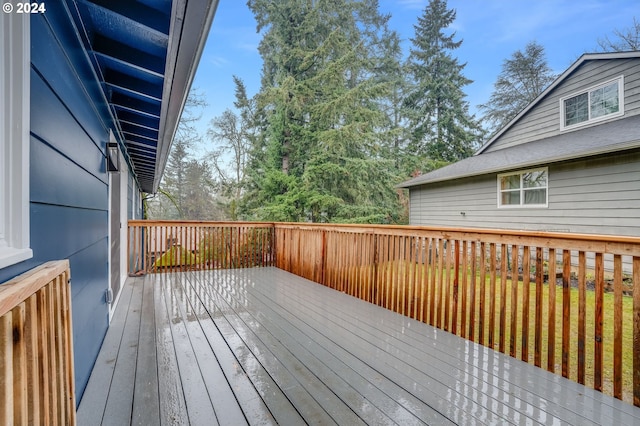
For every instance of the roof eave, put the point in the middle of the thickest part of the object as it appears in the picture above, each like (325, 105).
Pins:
(190, 24)
(525, 164)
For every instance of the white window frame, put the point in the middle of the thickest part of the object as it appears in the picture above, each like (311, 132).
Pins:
(589, 121)
(15, 68)
(523, 190)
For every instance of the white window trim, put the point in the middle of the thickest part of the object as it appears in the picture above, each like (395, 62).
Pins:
(591, 121)
(521, 205)
(15, 68)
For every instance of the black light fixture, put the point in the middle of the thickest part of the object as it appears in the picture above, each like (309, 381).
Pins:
(113, 157)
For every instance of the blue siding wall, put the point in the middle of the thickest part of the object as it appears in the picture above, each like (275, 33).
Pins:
(69, 192)
(69, 184)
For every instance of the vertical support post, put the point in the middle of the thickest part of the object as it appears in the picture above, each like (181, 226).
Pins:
(582, 310)
(526, 293)
(566, 310)
(636, 331)
(617, 326)
(537, 357)
(598, 337)
(456, 283)
(551, 344)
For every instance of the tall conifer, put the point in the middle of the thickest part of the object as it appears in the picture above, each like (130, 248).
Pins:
(321, 102)
(442, 127)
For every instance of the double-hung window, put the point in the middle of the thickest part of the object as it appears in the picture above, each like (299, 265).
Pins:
(595, 104)
(14, 138)
(527, 188)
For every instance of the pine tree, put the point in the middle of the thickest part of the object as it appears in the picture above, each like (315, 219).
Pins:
(523, 77)
(441, 125)
(318, 154)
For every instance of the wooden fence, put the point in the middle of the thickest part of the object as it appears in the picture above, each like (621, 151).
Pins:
(36, 349)
(156, 246)
(563, 302)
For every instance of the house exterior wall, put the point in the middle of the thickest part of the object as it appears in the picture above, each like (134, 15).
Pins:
(69, 194)
(600, 195)
(543, 120)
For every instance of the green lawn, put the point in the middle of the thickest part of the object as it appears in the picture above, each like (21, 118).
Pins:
(608, 327)
(608, 332)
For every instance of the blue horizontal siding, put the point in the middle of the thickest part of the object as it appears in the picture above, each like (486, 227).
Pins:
(51, 184)
(89, 275)
(69, 183)
(63, 230)
(57, 126)
(59, 57)
(69, 193)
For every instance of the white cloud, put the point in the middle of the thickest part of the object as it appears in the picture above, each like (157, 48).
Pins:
(237, 37)
(413, 4)
(217, 61)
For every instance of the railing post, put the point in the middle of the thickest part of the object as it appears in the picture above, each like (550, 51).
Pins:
(376, 292)
(636, 331)
(538, 319)
(456, 267)
(566, 310)
(323, 263)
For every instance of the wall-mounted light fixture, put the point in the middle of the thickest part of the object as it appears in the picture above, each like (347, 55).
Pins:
(113, 157)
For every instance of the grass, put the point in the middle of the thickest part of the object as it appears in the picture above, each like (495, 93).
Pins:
(608, 333)
(389, 273)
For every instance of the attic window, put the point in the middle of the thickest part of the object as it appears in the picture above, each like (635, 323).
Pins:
(598, 103)
(527, 188)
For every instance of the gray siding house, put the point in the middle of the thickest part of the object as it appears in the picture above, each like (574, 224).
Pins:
(569, 162)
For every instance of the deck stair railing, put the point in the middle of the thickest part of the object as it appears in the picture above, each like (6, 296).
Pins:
(563, 302)
(36, 349)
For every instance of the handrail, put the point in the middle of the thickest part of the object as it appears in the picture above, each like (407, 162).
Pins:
(36, 347)
(555, 300)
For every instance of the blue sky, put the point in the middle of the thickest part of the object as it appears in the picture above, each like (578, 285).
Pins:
(491, 31)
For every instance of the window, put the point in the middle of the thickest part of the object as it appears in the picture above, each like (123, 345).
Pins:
(14, 138)
(527, 188)
(596, 104)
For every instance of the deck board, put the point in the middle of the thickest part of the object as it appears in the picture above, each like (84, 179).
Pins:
(173, 408)
(184, 329)
(262, 346)
(146, 399)
(95, 397)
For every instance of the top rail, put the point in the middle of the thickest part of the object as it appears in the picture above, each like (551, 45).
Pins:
(36, 348)
(16, 291)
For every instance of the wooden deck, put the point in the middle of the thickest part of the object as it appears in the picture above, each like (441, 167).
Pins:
(263, 346)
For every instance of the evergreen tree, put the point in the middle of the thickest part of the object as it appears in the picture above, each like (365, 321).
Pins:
(197, 193)
(441, 125)
(523, 77)
(174, 178)
(319, 155)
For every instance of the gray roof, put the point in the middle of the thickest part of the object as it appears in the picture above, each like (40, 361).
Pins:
(582, 59)
(614, 136)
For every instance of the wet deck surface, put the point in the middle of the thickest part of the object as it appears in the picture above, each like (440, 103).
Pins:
(262, 346)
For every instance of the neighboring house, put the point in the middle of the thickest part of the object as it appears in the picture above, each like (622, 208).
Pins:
(87, 86)
(569, 162)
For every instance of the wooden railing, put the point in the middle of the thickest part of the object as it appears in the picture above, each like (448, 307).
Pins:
(36, 349)
(563, 302)
(156, 246)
